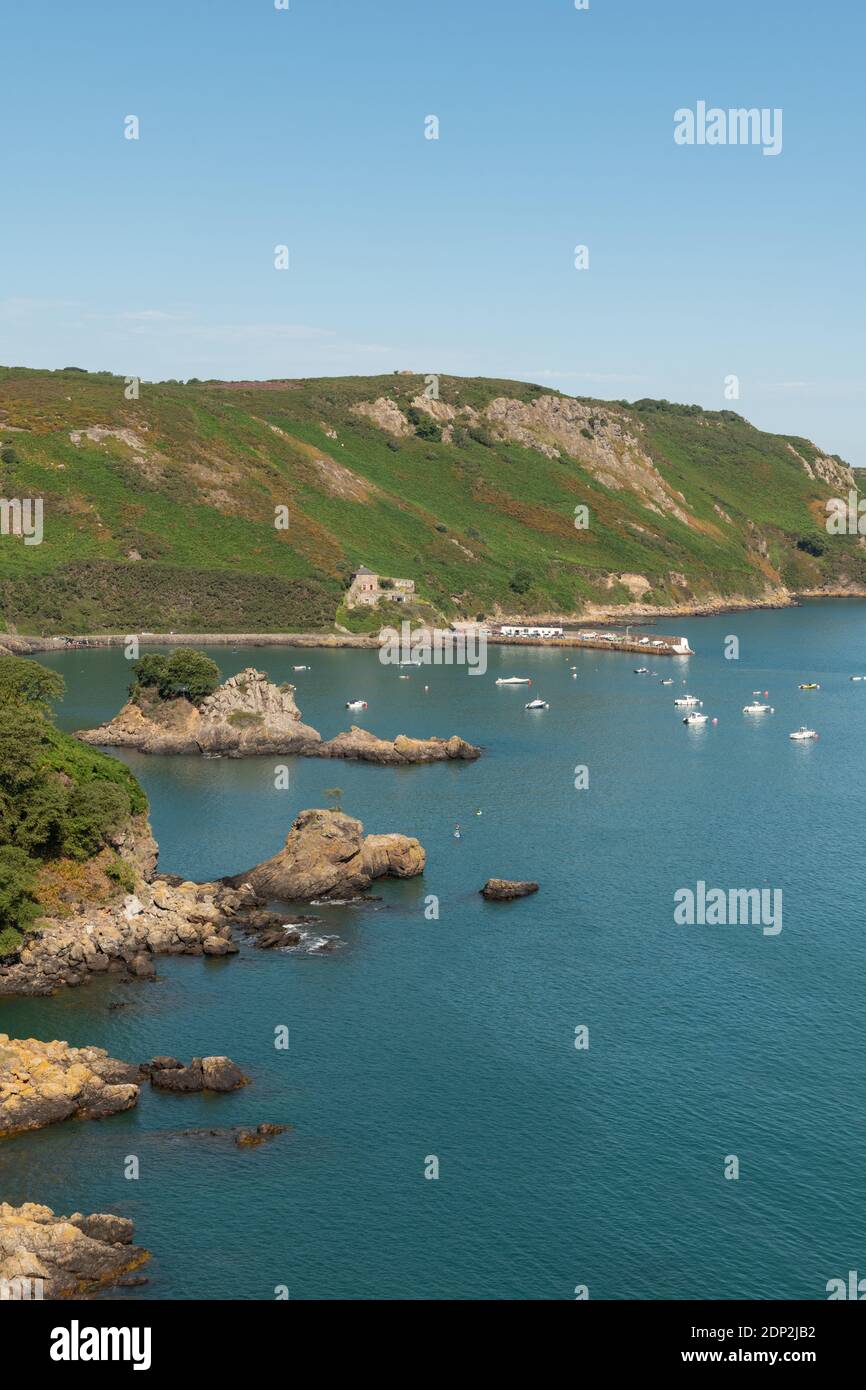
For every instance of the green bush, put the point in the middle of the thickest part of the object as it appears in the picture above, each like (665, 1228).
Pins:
(425, 428)
(18, 908)
(184, 672)
(93, 812)
(122, 873)
(11, 942)
(521, 581)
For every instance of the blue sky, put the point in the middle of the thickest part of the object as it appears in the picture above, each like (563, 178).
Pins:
(258, 127)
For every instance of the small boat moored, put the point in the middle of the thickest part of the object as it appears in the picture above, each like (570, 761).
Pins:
(686, 701)
(356, 704)
(537, 704)
(802, 734)
(810, 685)
(513, 680)
(695, 718)
(756, 708)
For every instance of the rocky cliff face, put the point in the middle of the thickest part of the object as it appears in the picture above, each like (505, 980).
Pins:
(43, 1082)
(71, 1254)
(246, 715)
(326, 855)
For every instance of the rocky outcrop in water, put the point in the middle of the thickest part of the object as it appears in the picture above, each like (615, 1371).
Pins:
(202, 1074)
(72, 1255)
(361, 746)
(327, 855)
(43, 1082)
(248, 715)
(245, 716)
(502, 890)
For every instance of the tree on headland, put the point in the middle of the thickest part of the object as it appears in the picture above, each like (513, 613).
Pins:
(59, 799)
(26, 682)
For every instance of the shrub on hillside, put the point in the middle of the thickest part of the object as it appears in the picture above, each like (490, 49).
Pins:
(521, 581)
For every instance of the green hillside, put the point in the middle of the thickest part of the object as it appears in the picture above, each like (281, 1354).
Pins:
(168, 521)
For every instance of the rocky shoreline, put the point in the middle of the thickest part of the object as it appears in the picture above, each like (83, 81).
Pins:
(326, 856)
(68, 1255)
(779, 597)
(44, 1083)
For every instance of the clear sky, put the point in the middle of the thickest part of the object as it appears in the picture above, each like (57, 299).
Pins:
(306, 127)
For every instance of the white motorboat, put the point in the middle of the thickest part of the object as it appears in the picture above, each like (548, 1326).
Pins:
(513, 680)
(356, 704)
(756, 708)
(686, 701)
(695, 718)
(641, 670)
(537, 704)
(858, 678)
(300, 668)
(802, 734)
(668, 680)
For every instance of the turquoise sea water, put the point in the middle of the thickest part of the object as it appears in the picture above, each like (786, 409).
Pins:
(455, 1037)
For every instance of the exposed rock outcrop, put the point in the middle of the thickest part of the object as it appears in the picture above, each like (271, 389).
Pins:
(326, 855)
(386, 414)
(362, 746)
(600, 436)
(502, 890)
(72, 1255)
(247, 714)
(43, 1082)
(202, 1074)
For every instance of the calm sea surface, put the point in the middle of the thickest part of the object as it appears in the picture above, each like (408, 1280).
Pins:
(455, 1037)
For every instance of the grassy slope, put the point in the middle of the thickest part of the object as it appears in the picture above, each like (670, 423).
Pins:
(197, 505)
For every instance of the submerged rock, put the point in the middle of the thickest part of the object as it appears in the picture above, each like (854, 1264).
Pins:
(251, 1138)
(503, 889)
(243, 1137)
(43, 1082)
(327, 856)
(72, 1255)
